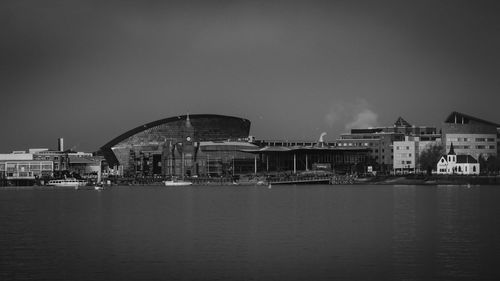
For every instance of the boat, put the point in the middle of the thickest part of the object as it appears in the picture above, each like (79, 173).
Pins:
(175, 182)
(69, 182)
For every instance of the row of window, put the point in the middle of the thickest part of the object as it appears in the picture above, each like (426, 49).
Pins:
(472, 147)
(403, 155)
(402, 148)
(471, 139)
(354, 144)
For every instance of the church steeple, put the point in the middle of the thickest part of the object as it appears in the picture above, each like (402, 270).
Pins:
(452, 151)
(188, 122)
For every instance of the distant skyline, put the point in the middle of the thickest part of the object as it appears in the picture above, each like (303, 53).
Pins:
(89, 71)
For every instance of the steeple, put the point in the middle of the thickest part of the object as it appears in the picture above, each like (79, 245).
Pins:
(188, 122)
(452, 151)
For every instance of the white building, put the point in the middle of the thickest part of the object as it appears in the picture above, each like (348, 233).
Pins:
(457, 164)
(22, 166)
(407, 154)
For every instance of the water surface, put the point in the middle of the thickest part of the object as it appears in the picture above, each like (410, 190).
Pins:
(251, 233)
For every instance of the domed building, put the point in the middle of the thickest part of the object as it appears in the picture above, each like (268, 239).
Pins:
(173, 146)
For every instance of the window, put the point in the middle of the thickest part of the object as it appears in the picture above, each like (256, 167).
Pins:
(408, 162)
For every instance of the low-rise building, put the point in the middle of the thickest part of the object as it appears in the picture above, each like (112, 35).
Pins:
(22, 166)
(453, 164)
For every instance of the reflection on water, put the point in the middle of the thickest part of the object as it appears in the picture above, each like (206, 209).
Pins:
(251, 233)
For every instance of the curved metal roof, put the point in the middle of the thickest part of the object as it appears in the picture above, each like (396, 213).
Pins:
(106, 149)
(153, 124)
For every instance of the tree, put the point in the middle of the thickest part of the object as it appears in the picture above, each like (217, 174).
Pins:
(482, 164)
(489, 165)
(430, 157)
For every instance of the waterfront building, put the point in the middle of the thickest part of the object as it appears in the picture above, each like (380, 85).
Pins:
(312, 156)
(227, 157)
(379, 140)
(470, 135)
(34, 164)
(173, 146)
(59, 158)
(22, 167)
(453, 164)
(86, 166)
(407, 154)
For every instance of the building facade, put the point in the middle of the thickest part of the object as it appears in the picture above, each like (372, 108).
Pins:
(380, 141)
(407, 154)
(172, 146)
(21, 166)
(470, 135)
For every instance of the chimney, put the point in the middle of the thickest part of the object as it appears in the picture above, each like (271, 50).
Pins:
(60, 144)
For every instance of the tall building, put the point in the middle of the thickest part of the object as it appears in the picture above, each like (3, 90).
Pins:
(470, 135)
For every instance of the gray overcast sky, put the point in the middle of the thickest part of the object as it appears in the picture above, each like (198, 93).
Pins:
(91, 70)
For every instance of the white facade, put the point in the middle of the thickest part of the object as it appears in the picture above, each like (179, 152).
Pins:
(457, 165)
(25, 169)
(405, 156)
(16, 157)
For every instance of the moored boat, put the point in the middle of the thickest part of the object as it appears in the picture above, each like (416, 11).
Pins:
(69, 182)
(177, 183)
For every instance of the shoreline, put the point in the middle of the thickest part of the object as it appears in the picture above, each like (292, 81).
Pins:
(430, 180)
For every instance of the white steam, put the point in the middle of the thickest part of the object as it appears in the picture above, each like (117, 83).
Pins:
(356, 114)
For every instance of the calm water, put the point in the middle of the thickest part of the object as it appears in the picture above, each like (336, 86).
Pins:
(251, 233)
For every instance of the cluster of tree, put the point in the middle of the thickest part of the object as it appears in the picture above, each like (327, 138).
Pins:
(430, 157)
(490, 165)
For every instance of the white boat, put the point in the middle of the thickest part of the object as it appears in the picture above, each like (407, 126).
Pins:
(70, 182)
(177, 183)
